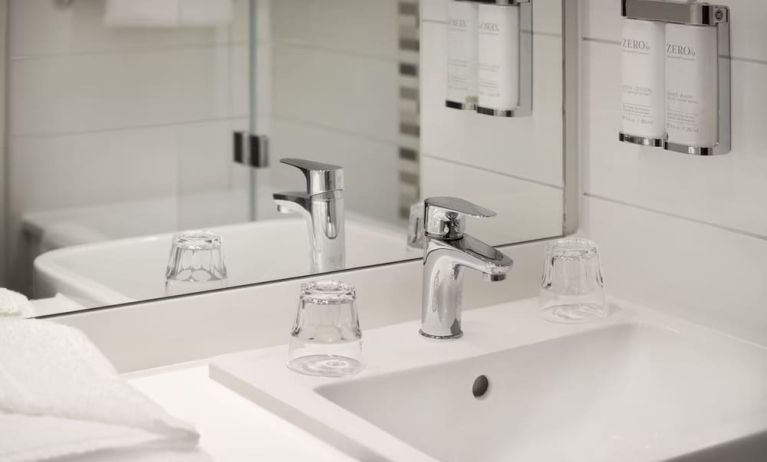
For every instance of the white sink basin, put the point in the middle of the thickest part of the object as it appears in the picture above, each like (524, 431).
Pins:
(126, 270)
(639, 386)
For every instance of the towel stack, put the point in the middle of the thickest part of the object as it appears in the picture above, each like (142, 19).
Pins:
(14, 305)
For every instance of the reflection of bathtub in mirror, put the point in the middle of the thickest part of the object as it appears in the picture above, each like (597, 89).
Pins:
(127, 270)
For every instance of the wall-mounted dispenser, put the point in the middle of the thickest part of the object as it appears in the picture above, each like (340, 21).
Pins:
(490, 56)
(675, 89)
(643, 95)
(462, 51)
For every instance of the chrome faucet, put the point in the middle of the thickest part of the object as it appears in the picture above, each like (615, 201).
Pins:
(448, 252)
(322, 206)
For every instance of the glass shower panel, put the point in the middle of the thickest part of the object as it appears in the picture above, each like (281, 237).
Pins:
(213, 190)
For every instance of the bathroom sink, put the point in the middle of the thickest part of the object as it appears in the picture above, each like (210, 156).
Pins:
(639, 386)
(126, 270)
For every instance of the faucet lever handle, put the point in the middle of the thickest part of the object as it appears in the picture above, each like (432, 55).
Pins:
(445, 217)
(320, 177)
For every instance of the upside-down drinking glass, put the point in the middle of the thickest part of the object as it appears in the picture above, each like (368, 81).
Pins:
(326, 339)
(572, 289)
(196, 263)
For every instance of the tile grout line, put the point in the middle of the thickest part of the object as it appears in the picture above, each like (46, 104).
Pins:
(133, 50)
(297, 44)
(329, 128)
(123, 128)
(741, 232)
(487, 170)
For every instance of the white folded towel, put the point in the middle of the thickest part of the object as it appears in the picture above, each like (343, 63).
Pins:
(14, 304)
(168, 13)
(60, 397)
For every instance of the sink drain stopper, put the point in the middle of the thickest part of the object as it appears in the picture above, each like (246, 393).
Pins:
(480, 387)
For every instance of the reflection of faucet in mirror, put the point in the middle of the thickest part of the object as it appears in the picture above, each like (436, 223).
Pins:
(322, 206)
(448, 252)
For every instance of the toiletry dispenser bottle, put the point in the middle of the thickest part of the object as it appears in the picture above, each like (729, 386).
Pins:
(691, 85)
(643, 81)
(498, 66)
(462, 54)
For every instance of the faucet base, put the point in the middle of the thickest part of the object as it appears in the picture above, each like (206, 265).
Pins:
(454, 336)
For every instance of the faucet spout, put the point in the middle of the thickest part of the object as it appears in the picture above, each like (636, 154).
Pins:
(496, 277)
(449, 252)
(443, 270)
(322, 207)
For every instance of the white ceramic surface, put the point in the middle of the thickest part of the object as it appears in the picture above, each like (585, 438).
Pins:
(638, 386)
(126, 270)
(231, 428)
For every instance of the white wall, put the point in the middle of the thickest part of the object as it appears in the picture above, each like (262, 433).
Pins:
(334, 96)
(101, 115)
(688, 234)
(513, 166)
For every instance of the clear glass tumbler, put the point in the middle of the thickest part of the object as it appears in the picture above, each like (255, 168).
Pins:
(196, 263)
(572, 289)
(326, 339)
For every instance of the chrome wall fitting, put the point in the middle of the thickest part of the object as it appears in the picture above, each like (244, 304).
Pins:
(641, 140)
(251, 150)
(698, 14)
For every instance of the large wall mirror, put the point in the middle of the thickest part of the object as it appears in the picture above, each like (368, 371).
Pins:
(153, 153)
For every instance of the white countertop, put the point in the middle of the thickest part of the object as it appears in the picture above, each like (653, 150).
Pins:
(232, 428)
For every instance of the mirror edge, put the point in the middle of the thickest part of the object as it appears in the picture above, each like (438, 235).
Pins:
(571, 113)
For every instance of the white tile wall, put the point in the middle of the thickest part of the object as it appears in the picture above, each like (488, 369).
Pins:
(100, 114)
(526, 210)
(685, 233)
(342, 91)
(513, 166)
(91, 168)
(361, 27)
(117, 90)
(334, 97)
(207, 161)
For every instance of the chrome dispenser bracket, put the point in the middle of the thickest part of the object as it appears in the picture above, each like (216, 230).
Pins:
(525, 107)
(251, 150)
(698, 14)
